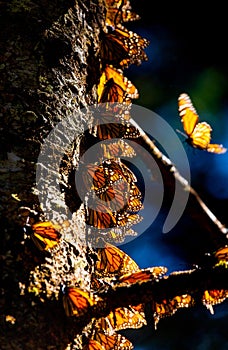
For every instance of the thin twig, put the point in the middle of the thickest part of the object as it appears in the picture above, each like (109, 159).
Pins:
(169, 169)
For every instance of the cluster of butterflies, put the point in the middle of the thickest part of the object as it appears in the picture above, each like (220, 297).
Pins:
(113, 198)
(114, 267)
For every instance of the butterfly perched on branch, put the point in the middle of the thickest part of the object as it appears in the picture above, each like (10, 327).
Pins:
(123, 318)
(167, 307)
(108, 341)
(113, 261)
(198, 133)
(142, 276)
(213, 297)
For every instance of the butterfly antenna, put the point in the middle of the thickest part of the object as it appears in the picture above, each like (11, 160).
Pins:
(182, 133)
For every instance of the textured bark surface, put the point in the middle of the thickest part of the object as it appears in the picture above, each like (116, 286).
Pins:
(49, 70)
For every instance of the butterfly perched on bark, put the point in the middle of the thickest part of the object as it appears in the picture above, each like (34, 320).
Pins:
(121, 47)
(115, 87)
(198, 133)
(119, 11)
(114, 261)
(45, 235)
(77, 302)
(110, 341)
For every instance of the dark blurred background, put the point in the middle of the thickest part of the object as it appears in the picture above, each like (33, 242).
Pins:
(187, 53)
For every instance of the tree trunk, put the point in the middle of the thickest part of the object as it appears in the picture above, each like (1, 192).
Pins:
(49, 69)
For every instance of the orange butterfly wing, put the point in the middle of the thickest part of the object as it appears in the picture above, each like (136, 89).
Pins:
(115, 16)
(201, 135)
(169, 306)
(45, 235)
(118, 148)
(188, 114)
(93, 345)
(100, 218)
(216, 148)
(118, 12)
(112, 260)
(77, 301)
(222, 255)
(123, 318)
(113, 123)
(111, 342)
(115, 87)
(113, 50)
(144, 275)
(213, 297)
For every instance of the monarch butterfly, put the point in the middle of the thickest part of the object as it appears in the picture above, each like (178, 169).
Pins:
(113, 50)
(198, 134)
(115, 16)
(116, 149)
(103, 218)
(93, 345)
(134, 204)
(144, 275)
(135, 199)
(222, 256)
(132, 195)
(115, 87)
(128, 219)
(169, 306)
(122, 318)
(116, 235)
(121, 47)
(114, 127)
(119, 11)
(106, 174)
(115, 3)
(112, 197)
(76, 301)
(113, 341)
(112, 170)
(45, 235)
(114, 261)
(213, 297)
(98, 177)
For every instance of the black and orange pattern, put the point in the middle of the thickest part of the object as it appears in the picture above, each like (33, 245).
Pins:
(198, 134)
(77, 302)
(167, 307)
(45, 235)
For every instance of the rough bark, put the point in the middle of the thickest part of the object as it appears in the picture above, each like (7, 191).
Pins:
(49, 70)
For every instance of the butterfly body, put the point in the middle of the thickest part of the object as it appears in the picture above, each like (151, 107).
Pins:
(198, 133)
